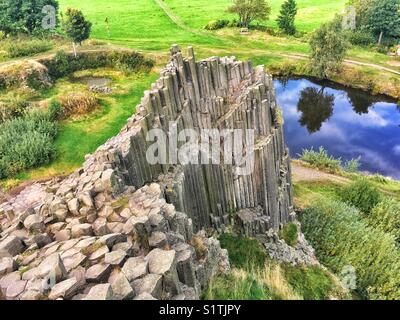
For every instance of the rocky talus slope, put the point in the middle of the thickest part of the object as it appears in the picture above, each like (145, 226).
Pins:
(121, 228)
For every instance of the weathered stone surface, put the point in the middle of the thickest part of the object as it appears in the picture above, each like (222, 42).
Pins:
(53, 268)
(80, 230)
(150, 284)
(15, 289)
(98, 273)
(73, 206)
(144, 296)
(100, 292)
(115, 258)
(161, 261)
(65, 289)
(11, 246)
(158, 240)
(121, 288)
(99, 253)
(34, 223)
(112, 239)
(135, 268)
(7, 265)
(74, 261)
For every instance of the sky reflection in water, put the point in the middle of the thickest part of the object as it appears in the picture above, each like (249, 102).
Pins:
(348, 123)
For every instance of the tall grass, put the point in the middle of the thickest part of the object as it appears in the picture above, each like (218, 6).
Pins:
(17, 48)
(341, 237)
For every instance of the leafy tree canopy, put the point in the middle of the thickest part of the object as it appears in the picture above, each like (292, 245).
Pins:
(25, 16)
(249, 10)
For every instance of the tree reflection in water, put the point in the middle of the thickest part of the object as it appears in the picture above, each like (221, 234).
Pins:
(316, 107)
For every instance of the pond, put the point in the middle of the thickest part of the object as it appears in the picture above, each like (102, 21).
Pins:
(348, 123)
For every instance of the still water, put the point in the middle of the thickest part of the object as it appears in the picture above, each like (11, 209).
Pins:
(348, 123)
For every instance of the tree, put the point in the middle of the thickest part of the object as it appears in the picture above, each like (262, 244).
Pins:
(316, 108)
(328, 48)
(25, 16)
(384, 18)
(76, 27)
(287, 16)
(249, 10)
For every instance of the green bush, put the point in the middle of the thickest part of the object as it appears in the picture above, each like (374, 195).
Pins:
(217, 24)
(386, 216)
(24, 47)
(243, 252)
(289, 233)
(13, 108)
(26, 142)
(352, 165)
(320, 159)
(360, 38)
(64, 64)
(55, 110)
(341, 237)
(361, 194)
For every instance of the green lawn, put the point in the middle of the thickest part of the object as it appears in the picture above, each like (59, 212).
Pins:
(83, 136)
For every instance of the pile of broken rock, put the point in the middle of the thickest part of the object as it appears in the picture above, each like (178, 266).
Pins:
(134, 247)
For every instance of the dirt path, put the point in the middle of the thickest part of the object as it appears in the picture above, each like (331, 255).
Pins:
(303, 173)
(302, 56)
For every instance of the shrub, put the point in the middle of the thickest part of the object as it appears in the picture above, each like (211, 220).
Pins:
(243, 252)
(386, 216)
(289, 233)
(352, 165)
(341, 237)
(24, 47)
(360, 38)
(13, 108)
(217, 24)
(320, 159)
(55, 110)
(26, 142)
(361, 194)
(76, 104)
(64, 64)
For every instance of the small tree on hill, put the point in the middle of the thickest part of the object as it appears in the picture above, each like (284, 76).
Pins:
(26, 16)
(76, 27)
(287, 16)
(249, 10)
(328, 49)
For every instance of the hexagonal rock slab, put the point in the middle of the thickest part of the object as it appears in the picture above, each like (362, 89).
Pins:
(115, 258)
(121, 288)
(11, 246)
(7, 265)
(100, 292)
(80, 230)
(135, 268)
(52, 267)
(65, 289)
(98, 273)
(150, 284)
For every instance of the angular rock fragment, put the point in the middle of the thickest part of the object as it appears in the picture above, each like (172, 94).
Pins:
(135, 268)
(115, 258)
(81, 230)
(100, 292)
(151, 284)
(65, 289)
(11, 246)
(98, 273)
(121, 288)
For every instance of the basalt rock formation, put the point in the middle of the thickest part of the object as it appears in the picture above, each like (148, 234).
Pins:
(122, 228)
